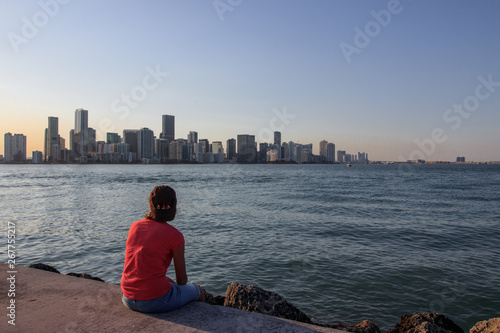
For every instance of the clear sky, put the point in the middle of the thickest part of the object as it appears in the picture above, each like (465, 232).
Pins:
(376, 76)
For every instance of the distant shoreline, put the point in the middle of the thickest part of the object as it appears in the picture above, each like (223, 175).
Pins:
(29, 162)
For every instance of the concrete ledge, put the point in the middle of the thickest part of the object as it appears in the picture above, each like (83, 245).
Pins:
(51, 302)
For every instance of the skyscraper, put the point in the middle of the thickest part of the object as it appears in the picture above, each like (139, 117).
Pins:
(193, 137)
(15, 147)
(230, 148)
(277, 138)
(81, 132)
(263, 148)
(51, 138)
(130, 138)
(322, 149)
(205, 146)
(341, 156)
(247, 149)
(36, 157)
(217, 147)
(175, 148)
(168, 127)
(91, 140)
(161, 149)
(112, 138)
(277, 144)
(330, 152)
(145, 144)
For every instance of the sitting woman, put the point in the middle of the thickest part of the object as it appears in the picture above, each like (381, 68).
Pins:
(152, 243)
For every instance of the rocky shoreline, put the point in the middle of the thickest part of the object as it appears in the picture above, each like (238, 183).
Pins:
(255, 299)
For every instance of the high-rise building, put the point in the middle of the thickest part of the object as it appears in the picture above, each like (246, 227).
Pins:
(298, 153)
(285, 151)
(330, 152)
(271, 155)
(322, 149)
(277, 144)
(205, 146)
(277, 138)
(198, 152)
(113, 138)
(62, 142)
(168, 127)
(91, 141)
(81, 120)
(145, 144)
(193, 137)
(175, 150)
(188, 152)
(263, 148)
(81, 133)
(15, 147)
(36, 157)
(230, 148)
(308, 148)
(217, 147)
(130, 138)
(51, 138)
(363, 158)
(291, 151)
(7, 146)
(56, 150)
(247, 149)
(161, 149)
(341, 156)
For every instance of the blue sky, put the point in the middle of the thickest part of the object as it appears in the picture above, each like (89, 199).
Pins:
(229, 67)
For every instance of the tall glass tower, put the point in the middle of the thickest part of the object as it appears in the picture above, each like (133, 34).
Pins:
(168, 127)
(51, 139)
(81, 131)
(247, 149)
(145, 144)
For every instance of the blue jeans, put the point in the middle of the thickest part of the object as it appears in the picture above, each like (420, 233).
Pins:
(178, 296)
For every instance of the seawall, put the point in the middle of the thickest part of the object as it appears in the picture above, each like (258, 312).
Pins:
(50, 302)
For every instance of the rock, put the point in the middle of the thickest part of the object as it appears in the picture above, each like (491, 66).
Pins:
(255, 299)
(85, 276)
(365, 326)
(44, 267)
(426, 323)
(428, 327)
(213, 300)
(487, 326)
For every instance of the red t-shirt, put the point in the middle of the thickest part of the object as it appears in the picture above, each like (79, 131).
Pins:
(149, 251)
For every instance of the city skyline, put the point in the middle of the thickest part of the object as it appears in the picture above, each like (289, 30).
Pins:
(141, 144)
(79, 136)
(326, 149)
(399, 79)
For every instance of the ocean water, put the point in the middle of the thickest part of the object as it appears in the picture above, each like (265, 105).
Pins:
(342, 244)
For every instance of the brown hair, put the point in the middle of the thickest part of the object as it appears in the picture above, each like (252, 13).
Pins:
(162, 204)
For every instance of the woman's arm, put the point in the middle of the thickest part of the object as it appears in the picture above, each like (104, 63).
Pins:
(180, 266)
